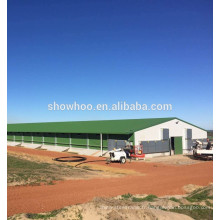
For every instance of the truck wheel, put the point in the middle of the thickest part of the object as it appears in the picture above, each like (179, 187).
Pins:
(123, 160)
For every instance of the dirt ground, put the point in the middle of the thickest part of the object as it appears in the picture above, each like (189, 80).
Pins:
(126, 207)
(177, 160)
(146, 177)
(27, 170)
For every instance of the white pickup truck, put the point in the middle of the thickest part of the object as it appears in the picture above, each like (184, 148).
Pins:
(200, 152)
(203, 153)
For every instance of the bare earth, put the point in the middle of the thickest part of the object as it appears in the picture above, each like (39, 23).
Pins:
(104, 208)
(156, 178)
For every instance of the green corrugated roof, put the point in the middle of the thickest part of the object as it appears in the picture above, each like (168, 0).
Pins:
(127, 126)
(106, 127)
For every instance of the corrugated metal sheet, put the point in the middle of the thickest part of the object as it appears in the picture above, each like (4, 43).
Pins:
(106, 127)
(63, 139)
(49, 138)
(112, 143)
(37, 138)
(27, 137)
(10, 137)
(18, 137)
(79, 139)
(155, 146)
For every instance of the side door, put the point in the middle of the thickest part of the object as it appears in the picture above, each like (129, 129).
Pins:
(178, 146)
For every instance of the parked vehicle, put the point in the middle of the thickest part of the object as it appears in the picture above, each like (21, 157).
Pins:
(201, 151)
(117, 155)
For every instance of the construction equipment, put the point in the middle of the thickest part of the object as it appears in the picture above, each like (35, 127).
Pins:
(136, 152)
(117, 155)
(128, 152)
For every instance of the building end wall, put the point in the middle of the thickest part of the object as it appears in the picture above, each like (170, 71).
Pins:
(177, 128)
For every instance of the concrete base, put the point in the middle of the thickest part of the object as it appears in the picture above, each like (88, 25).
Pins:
(186, 152)
(28, 145)
(9, 143)
(83, 151)
(32, 146)
(54, 148)
(157, 155)
(189, 152)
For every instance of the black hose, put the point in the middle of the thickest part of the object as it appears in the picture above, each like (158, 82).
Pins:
(75, 159)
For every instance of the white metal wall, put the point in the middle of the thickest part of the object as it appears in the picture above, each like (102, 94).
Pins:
(176, 128)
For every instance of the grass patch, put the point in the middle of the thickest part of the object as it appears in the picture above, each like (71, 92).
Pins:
(208, 203)
(126, 196)
(46, 215)
(14, 162)
(149, 198)
(26, 172)
(196, 212)
(199, 195)
(174, 199)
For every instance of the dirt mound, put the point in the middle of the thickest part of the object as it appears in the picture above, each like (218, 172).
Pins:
(165, 203)
(103, 208)
(210, 190)
(191, 187)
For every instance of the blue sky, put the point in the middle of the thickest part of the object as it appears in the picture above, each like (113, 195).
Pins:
(107, 51)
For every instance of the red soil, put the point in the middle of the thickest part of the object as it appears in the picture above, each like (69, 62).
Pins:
(158, 179)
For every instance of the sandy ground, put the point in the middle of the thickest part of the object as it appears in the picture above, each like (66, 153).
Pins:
(177, 160)
(112, 209)
(139, 178)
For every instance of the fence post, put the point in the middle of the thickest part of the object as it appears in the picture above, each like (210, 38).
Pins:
(101, 144)
(55, 140)
(87, 140)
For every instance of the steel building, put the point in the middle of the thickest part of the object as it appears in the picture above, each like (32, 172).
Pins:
(158, 135)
